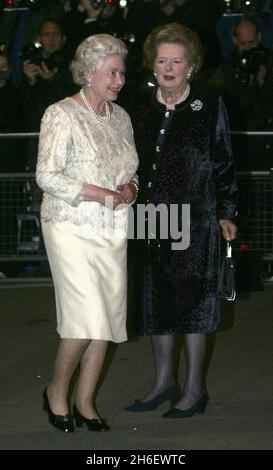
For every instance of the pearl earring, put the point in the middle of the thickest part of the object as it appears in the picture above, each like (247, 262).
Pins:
(155, 74)
(89, 84)
(189, 76)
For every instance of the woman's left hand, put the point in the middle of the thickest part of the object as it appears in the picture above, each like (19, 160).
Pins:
(127, 191)
(229, 229)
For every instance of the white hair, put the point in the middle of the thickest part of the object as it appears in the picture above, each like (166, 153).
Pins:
(92, 52)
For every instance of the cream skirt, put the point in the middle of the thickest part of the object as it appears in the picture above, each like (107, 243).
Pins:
(90, 281)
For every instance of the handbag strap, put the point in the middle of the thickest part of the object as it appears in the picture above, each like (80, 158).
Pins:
(228, 250)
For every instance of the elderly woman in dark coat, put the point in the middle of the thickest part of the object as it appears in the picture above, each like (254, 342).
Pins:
(182, 138)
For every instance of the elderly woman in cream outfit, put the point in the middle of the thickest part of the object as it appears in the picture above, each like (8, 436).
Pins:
(86, 167)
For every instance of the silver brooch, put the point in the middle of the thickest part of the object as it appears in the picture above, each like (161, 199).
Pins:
(196, 105)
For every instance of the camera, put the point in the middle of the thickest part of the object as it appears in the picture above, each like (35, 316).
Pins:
(98, 3)
(102, 3)
(249, 64)
(33, 54)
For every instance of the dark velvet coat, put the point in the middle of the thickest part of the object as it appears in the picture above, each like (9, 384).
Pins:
(194, 167)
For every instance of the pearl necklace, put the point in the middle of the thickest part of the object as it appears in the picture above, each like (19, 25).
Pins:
(102, 120)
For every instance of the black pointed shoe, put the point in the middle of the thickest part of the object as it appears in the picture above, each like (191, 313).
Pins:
(97, 425)
(63, 423)
(198, 407)
(173, 393)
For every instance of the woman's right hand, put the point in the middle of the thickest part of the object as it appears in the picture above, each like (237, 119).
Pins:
(112, 199)
(229, 229)
(106, 197)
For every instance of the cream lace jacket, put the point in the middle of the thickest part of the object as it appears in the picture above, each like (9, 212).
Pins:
(75, 149)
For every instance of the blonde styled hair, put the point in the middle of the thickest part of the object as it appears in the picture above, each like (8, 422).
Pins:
(92, 52)
(173, 33)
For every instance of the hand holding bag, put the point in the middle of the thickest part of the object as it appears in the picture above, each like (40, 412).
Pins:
(226, 281)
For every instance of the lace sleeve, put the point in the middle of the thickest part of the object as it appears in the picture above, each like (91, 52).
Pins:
(54, 149)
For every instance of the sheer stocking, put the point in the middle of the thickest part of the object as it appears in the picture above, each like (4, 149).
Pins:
(91, 366)
(68, 356)
(164, 357)
(194, 345)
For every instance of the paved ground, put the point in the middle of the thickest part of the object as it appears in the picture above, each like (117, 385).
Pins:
(240, 382)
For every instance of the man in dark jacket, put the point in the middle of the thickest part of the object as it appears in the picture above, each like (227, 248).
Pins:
(46, 79)
(248, 89)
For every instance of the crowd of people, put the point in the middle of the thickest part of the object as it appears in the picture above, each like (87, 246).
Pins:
(40, 76)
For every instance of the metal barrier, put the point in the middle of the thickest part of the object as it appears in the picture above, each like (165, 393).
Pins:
(20, 232)
(20, 198)
(20, 235)
(255, 211)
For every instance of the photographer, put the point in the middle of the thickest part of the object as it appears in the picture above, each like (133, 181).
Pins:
(46, 79)
(89, 17)
(19, 24)
(248, 91)
(44, 62)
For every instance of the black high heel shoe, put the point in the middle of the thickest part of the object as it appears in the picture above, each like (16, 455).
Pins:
(63, 423)
(173, 393)
(198, 407)
(97, 425)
